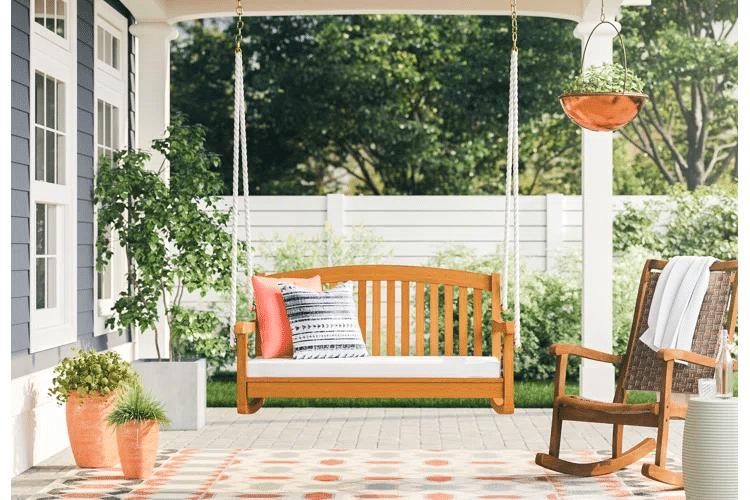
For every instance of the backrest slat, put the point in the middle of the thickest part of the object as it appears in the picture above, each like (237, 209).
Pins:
(391, 318)
(419, 320)
(376, 318)
(405, 318)
(448, 322)
(463, 348)
(362, 308)
(434, 319)
(477, 322)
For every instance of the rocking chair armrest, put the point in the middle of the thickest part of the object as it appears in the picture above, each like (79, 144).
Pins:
(690, 357)
(584, 352)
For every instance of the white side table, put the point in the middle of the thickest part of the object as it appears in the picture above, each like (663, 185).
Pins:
(709, 449)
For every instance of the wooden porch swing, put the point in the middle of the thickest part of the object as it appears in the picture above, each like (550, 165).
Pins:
(427, 374)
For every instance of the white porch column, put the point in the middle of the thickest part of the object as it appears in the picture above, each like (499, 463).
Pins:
(597, 378)
(152, 118)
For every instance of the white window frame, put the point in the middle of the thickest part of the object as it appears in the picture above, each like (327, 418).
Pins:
(110, 86)
(56, 57)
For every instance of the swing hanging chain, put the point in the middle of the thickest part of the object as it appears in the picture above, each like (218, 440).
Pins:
(240, 25)
(601, 17)
(514, 24)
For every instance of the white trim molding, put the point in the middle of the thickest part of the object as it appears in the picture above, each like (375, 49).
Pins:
(54, 59)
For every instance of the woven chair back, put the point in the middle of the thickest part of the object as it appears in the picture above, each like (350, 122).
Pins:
(644, 369)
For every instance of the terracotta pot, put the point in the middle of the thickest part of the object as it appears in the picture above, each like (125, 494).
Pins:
(137, 444)
(92, 441)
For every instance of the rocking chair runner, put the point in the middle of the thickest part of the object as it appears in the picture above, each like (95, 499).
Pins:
(645, 370)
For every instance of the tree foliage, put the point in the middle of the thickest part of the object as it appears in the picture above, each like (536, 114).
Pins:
(391, 104)
(688, 128)
(173, 235)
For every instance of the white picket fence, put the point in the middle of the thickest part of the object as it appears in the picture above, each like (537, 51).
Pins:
(414, 228)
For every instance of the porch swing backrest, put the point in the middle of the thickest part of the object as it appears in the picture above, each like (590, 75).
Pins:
(644, 368)
(441, 287)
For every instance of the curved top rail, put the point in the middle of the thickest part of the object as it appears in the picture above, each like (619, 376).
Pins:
(385, 272)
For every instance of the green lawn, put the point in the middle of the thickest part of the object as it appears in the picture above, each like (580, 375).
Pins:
(221, 392)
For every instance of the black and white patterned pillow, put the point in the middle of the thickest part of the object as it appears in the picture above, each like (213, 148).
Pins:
(324, 324)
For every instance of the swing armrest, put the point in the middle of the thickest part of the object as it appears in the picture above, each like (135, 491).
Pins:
(584, 352)
(690, 357)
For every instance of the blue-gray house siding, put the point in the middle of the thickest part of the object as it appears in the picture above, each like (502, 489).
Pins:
(22, 361)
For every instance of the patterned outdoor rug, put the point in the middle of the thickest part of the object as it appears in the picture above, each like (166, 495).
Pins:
(336, 474)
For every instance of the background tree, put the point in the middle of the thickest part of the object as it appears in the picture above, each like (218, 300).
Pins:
(688, 127)
(383, 104)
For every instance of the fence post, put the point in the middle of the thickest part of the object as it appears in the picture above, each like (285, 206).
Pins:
(554, 229)
(335, 208)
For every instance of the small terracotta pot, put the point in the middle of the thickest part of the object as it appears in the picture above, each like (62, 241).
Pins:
(137, 444)
(91, 439)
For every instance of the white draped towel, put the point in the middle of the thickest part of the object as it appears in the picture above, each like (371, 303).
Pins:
(677, 303)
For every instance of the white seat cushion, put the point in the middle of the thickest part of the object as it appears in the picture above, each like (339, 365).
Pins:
(378, 366)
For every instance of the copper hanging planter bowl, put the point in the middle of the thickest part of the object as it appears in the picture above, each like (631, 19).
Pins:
(603, 111)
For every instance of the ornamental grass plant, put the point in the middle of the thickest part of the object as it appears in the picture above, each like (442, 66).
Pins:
(137, 405)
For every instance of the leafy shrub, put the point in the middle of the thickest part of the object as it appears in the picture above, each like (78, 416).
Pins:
(703, 222)
(323, 250)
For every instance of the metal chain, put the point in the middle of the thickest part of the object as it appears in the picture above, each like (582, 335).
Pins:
(601, 17)
(240, 25)
(514, 23)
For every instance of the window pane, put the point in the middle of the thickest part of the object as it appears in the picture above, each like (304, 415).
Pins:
(99, 153)
(115, 52)
(115, 128)
(50, 9)
(40, 282)
(108, 47)
(39, 11)
(51, 282)
(39, 154)
(106, 282)
(50, 101)
(108, 125)
(51, 229)
(60, 106)
(61, 18)
(49, 23)
(60, 168)
(50, 173)
(41, 228)
(39, 91)
(100, 122)
(100, 43)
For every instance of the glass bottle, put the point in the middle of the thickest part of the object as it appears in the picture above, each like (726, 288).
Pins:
(724, 375)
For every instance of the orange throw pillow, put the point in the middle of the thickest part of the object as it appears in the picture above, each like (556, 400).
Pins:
(273, 323)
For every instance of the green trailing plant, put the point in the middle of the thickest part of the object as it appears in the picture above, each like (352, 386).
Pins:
(605, 77)
(90, 373)
(136, 405)
(173, 233)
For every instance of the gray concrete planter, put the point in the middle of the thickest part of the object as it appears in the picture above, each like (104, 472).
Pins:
(181, 386)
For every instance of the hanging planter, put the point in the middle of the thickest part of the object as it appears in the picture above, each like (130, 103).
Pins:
(605, 97)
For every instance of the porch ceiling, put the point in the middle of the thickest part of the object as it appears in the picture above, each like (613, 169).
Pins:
(179, 10)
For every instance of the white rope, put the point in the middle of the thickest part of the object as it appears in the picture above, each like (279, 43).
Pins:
(246, 195)
(511, 184)
(238, 111)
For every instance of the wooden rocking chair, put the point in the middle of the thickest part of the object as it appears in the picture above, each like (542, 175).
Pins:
(642, 369)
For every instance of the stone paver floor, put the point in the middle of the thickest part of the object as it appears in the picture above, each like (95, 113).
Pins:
(371, 428)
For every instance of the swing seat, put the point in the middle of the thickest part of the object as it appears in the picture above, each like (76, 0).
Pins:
(643, 369)
(425, 366)
(380, 366)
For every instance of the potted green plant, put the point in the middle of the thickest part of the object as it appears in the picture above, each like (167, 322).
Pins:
(87, 384)
(174, 238)
(136, 417)
(604, 97)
